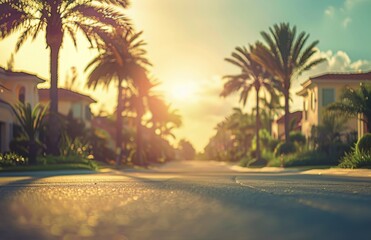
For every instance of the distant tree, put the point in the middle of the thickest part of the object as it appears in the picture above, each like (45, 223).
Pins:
(121, 59)
(286, 57)
(252, 77)
(187, 150)
(353, 102)
(57, 18)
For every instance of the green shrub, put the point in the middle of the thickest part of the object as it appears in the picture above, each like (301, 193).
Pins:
(284, 148)
(364, 144)
(297, 137)
(12, 159)
(356, 159)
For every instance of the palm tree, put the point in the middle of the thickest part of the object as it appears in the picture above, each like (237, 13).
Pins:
(355, 102)
(252, 76)
(286, 57)
(57, 18)
(31, 121)
(121, 59)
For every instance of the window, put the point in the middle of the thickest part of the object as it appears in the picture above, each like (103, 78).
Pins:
(87, 113)
(313, 100)
(76, 110)
(305, 108)
(22, 94)
(328, 96)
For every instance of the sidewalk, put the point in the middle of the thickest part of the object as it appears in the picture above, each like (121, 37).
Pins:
(330, 171)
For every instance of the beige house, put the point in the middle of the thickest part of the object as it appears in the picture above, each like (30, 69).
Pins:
(15, 87)
(320, 91)
(70, 102)
(278, 125)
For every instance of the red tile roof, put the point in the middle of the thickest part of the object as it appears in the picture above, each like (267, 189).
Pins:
(65, 94)
(10, 73)
(294, 115)
(344, 76)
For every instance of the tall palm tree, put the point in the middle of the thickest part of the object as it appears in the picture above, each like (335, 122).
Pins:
(285, 56)
(57, 18)
(252, 76)
(354, 102)
(121, 59)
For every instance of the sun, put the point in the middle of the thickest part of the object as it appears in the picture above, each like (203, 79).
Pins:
(183, 91)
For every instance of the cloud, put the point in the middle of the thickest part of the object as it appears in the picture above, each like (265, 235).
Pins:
(346, 22)
(330, 11)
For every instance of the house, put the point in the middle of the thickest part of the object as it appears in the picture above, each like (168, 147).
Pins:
(15, 87)
(70, 102)
(278, 125)
(320, 91)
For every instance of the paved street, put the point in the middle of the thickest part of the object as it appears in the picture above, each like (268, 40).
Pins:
(184, 200)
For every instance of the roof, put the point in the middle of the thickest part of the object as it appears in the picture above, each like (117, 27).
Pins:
(294, 115)
(343, 76)
(66, 95)
(12, 74)
(334, 77)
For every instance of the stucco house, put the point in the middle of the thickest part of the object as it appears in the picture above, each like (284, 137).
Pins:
(278, 125)
(320, 91)
(15, 87)
(70, 102)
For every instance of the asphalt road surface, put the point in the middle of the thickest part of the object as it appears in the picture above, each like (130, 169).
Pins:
(184, 200)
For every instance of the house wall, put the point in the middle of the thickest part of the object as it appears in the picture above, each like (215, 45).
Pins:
(316, 108)
(310, 116)
(30, 86)
(6, 126)
(78, 109)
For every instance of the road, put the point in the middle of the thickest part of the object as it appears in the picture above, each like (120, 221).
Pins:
(184, 200)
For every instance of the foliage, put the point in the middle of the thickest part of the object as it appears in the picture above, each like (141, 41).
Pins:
(353, 102)
(297, 137)
(78, 161)
(186, 150)
(356, 159)
(285, 148)
(57, 19)
(12, 159)
(305, 158)
(267, 142)
(327, 137)
(252, 76)
(285, 55)
(31, 122)
(364, 144)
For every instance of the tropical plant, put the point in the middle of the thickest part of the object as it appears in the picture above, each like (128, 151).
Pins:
(31, 121)
(364, 143)
(355, 102)
(57, 18)
(252, 76)
(121, 59)
(286, 57)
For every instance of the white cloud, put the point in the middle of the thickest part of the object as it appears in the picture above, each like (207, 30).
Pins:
(330, 11)
(346, 22)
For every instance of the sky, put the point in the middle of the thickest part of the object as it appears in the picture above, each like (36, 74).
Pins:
(187, 41)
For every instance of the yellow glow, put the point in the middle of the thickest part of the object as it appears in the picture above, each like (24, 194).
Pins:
(183, 91)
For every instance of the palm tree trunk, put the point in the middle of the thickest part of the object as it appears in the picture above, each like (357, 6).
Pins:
(257, 126)
(139, 139)
(54, 126)
(287, 115)
(119, 123)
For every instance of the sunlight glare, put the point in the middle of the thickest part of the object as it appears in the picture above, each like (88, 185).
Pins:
(184, 92)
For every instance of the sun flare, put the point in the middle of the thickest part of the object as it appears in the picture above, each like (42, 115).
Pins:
(183, 92)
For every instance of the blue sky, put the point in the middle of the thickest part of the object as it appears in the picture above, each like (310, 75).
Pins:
(188, 40)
